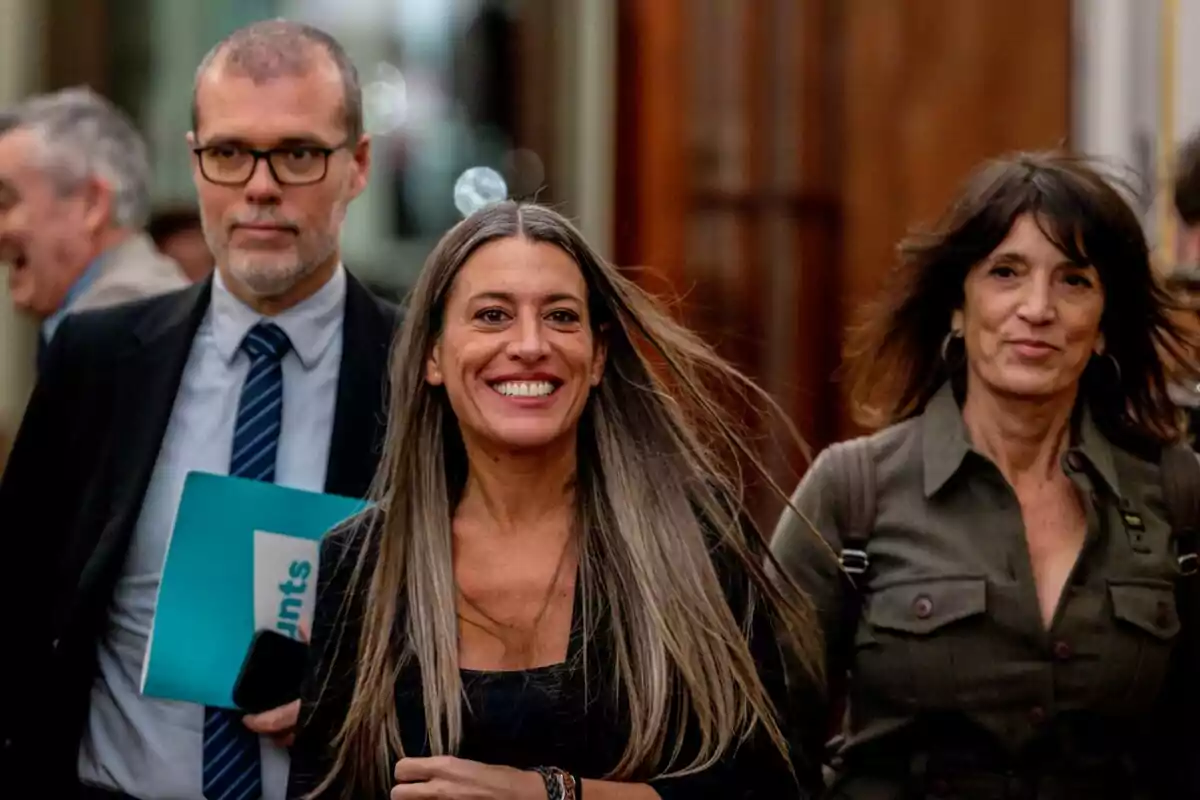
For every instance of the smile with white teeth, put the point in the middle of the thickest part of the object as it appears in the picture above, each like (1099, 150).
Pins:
(524, 388)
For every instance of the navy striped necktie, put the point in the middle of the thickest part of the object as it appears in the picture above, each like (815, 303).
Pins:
(232, 768)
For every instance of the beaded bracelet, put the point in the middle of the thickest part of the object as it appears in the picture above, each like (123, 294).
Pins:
(560, 785)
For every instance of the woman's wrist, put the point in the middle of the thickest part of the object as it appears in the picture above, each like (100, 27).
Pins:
(560, 784)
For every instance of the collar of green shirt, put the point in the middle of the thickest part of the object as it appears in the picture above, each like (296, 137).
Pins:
(945, 443)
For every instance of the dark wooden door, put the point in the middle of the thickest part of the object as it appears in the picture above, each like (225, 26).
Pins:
(771, 153)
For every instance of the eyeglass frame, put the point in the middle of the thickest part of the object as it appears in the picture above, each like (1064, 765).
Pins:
(259, 154)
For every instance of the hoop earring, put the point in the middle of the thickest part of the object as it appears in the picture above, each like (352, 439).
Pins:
(945, 349)
(1116, 367)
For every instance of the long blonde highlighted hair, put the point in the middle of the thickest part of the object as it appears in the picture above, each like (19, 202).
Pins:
(658, 484)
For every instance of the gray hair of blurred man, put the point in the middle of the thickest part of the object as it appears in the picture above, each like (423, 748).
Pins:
(82, 135)
(273, 48)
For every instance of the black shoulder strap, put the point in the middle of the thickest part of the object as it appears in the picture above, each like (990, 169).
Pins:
(1180, 470)
(854, 499)
(854, 476)
(1180, 476)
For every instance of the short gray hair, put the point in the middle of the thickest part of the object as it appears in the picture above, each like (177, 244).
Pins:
(81, 135)
(274, 48)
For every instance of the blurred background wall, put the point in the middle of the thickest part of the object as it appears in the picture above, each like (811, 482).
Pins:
(759, 158)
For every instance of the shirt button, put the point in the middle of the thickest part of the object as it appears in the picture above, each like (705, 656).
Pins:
(1074, 462)
(1062, 651)
(1037, 715)
(923, 606)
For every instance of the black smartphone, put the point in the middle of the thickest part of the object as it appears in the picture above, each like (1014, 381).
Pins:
(271, 673)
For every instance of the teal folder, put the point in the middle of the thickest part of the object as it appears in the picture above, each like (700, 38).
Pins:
(243, 557)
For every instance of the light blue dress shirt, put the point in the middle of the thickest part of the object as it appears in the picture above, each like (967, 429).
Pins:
(50, 324)
(149, 748)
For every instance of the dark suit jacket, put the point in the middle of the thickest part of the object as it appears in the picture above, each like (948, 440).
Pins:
(74, 487)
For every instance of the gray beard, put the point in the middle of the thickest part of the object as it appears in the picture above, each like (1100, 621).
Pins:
(274, 282)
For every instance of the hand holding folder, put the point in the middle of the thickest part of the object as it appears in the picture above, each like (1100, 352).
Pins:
(259, 688)
(243, 558)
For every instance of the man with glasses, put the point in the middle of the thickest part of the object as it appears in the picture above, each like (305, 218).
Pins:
(273, 370)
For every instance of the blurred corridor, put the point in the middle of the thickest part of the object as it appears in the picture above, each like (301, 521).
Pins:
(758, 158)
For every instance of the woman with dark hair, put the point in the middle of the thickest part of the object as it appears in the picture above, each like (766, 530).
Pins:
(558, 594)
(1010, 626)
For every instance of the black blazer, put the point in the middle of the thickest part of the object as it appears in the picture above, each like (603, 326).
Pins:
(74, 487)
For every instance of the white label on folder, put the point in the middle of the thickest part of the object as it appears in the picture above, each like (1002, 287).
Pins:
(285, 582)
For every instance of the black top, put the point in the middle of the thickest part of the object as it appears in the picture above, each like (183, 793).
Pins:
(538, 717)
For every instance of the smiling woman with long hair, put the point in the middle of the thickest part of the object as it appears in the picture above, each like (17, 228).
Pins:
(558, 593)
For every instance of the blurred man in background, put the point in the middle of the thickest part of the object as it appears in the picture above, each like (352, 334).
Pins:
(179, 234)
(74, 196)
(1184, 276)
(1186, 195)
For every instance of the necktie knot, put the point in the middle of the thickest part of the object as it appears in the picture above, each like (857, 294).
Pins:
(266, 340)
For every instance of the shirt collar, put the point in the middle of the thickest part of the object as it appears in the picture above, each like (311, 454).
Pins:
(81, 284)
(946, 443)
(1096, 450)
(944, 439)
(310, 324)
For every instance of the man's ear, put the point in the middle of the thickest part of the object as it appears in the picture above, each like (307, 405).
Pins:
(362, 166)
(98, 199)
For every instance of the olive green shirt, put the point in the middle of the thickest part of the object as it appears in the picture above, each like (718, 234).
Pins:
(953, 676)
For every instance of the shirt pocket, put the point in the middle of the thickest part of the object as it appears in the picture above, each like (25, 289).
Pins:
(915, 638)
(1146, 626)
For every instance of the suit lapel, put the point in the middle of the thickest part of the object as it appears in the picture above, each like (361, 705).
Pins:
(359, 418)
(148, 374)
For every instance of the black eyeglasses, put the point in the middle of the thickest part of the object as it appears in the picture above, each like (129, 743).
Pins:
(293, 165)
